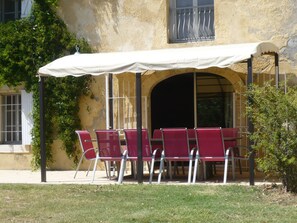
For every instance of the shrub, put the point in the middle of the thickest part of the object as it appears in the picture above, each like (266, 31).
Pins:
(273, 113)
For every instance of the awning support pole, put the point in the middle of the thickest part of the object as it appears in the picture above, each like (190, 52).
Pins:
(42, 130)
(139, 129)
(107, 101)
(250, 125)
(276, 62)
(110, 100)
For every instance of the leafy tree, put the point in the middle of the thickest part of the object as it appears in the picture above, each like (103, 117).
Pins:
(274, 115)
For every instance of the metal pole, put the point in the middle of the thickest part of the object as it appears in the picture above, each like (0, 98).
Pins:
(42, 130)
(139, 129)
(250, 125)
(276, 62)
(107, 101)
(110, 101)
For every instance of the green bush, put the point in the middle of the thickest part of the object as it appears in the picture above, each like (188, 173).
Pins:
(274, 115)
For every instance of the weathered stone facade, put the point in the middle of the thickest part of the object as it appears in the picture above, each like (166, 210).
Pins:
(128, 25)
(111, 26)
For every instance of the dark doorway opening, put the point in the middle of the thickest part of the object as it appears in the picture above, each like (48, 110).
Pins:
(172, 102)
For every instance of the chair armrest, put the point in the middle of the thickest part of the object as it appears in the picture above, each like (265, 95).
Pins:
(125, 153)
(156, 150)
(95, 149)
(228, 150)
(193, 150)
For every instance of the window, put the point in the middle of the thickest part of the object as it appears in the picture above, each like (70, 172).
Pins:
(191, 20)
(11, 117)
(14, 9)
(214, 101)
(15, 119)
(10, 10)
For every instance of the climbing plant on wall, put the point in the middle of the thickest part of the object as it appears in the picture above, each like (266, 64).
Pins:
(26, 45)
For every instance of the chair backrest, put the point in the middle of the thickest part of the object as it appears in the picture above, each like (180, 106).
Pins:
(86, 144)
(131, 142)
(210, 142)
(230, 132)
(191, 135)
(157, 134)
(175, 142)
(109, 144)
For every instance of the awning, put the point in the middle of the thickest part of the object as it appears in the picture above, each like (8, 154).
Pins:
(155, 60)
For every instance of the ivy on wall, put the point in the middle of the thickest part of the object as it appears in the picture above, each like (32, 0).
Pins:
(25, 46)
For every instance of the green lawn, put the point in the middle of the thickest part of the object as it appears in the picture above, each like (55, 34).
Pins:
(145, 203)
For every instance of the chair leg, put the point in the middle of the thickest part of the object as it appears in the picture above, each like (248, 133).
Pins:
(122, 169)
(214, 168)
(114, 167)
(160, 170)
(240, 169)
(135, 169)
(78, 165)
(170, 170)
(89, 168)
(204, 170)
(190, 171)
(196, 169)
(233, 167)
(148, 165)
(175, 168)
(107, 169)
(152, 170)
(225, 170)
(95, 167)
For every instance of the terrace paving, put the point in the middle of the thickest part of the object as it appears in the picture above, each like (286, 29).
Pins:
(66, 177)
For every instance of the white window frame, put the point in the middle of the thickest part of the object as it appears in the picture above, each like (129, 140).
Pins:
(11, 125)
(26, 123)
(26, 8)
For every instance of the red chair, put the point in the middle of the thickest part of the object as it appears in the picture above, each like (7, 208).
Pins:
(157, 134)
(191, 135)
(132, 148)
(109, 148)
(88, 150)
(176, 148)
(211, 148)
(232, 133)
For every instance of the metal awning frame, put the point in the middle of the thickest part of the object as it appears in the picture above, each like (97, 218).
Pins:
(139, 119)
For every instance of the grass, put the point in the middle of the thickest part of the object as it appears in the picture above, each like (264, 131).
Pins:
(145, 203)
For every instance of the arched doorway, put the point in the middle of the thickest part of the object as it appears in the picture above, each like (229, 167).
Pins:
(192, 100)
(172, 102)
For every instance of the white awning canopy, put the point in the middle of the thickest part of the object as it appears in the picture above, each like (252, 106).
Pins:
(164, 59)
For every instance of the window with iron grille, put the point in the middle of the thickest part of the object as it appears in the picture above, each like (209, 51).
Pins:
(10, 10)
(191, 20)
(11, 119)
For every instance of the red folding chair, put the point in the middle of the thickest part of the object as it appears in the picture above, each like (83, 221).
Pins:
(109, 148)
(211, 148)
(233, 133)
(191, 135)
(175, 148)
(157, 134)
(132, 148)
(88, 150)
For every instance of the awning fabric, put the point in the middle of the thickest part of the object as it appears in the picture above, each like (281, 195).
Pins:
(165, 59)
